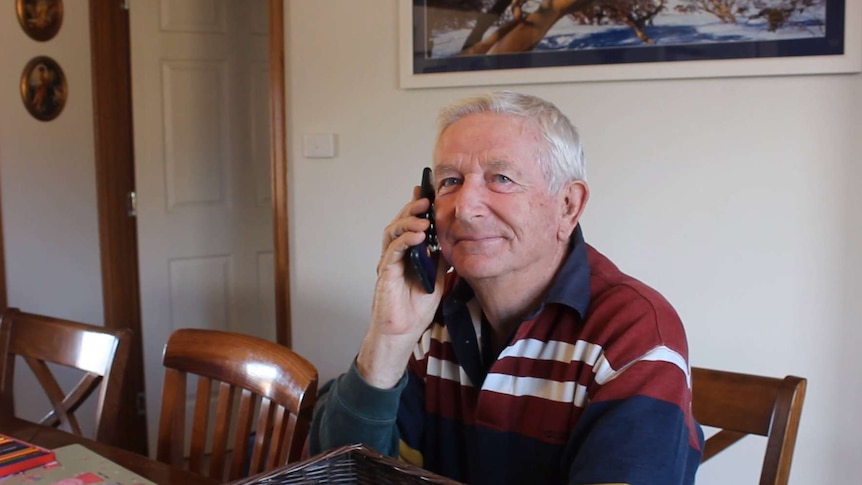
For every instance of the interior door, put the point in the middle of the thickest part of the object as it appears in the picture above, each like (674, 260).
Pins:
(202, 168)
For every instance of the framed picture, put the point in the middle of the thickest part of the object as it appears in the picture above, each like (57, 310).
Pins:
(486, 42)
(40, 19)
(43, 88)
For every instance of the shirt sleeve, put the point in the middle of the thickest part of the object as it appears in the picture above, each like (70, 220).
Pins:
(353, 411)
(638, 429)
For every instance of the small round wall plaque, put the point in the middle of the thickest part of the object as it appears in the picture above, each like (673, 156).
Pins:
(40, 19)
(43, 88)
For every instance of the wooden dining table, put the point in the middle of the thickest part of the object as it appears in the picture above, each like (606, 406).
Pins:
(47, 437)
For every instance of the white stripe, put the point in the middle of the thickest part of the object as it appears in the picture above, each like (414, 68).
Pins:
(445, 369)
(436, 332)
(581, 396)
(605, 373)
(555, 350)
(566, 392)
(552, 350)
(581, 351)
(423, 345)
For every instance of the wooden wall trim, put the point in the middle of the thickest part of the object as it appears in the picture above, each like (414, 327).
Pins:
(115, 179)
(4, 301)
(278, 127)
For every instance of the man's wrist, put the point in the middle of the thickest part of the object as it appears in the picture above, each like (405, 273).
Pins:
(382, 360)
(367, 400)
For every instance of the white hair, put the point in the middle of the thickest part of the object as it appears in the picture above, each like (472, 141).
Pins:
(563, 159)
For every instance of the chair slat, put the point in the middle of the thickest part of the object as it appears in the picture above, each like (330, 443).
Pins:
(200, 426)
(77, 396)
(290, 450)
(245, 417)
(719, 441)
(173, 418)
(58, 414)
(263, 436)
(79, 393)
(277, 450)
(224, 404)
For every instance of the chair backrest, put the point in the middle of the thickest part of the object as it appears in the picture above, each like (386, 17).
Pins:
(100, 353)
(277, 389)
(742, 404)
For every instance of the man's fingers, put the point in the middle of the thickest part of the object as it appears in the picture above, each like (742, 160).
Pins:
(395, 251)
(404, 225)
(406, 229)
(406, 221)
(399, 246)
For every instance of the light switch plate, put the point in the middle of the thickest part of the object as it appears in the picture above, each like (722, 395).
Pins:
(318, 145)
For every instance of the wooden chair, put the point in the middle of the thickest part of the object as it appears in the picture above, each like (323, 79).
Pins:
(101, 353)
(742, 404)
(277, 388)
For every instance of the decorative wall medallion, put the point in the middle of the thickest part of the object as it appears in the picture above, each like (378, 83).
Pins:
(40, 19)
(43, 88)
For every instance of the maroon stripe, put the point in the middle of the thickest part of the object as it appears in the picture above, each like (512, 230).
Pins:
(543, 369)
(449, 399)
(544, 420)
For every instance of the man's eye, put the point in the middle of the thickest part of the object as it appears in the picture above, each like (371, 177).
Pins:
(501, 179)
(448, 182)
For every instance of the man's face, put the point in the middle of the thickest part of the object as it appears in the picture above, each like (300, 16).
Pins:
(495, 216)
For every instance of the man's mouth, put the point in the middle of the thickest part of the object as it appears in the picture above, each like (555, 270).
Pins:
(476, 239)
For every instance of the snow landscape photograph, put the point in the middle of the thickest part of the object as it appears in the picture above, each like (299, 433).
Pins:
(461, 35)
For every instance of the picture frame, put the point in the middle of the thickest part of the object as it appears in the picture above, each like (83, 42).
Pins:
(43, 88)
(837, 50)
(40, 19)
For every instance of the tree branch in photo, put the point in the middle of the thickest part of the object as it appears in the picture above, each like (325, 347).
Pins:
(484, 21)
(523, 32)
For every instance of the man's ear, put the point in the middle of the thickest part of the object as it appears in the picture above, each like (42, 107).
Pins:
(573, 196)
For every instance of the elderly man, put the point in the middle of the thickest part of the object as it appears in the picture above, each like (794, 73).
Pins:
(535, 360)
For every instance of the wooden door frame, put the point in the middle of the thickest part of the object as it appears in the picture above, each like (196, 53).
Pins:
(278, 161)
(3, 293)
(115, 180)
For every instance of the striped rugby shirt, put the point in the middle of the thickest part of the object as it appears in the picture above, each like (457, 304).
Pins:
(594, 387)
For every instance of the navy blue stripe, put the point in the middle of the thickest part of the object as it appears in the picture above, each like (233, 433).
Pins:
(478, 455)
(648, 437)
(630, 446)
(411, 412)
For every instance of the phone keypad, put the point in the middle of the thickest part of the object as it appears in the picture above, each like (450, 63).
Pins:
(431, 232)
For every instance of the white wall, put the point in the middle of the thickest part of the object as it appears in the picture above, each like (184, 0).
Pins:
(50, 219)
(734, 197)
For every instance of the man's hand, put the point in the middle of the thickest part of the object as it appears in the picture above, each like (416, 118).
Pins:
(401, 309)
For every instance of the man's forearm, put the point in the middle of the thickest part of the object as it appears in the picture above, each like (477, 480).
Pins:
(382, 359)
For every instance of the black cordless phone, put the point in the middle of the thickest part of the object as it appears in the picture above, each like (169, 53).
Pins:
(422, 255)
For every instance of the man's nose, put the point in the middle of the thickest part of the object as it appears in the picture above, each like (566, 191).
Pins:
(470, 199)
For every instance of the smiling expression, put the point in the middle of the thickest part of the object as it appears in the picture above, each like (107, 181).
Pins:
(495, 215)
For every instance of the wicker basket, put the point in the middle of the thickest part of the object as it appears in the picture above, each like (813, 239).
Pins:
(352, 464)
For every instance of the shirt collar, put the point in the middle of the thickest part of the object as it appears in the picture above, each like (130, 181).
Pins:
(570, 287)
